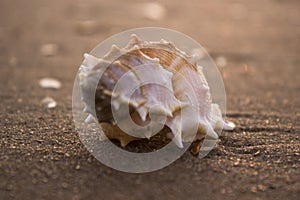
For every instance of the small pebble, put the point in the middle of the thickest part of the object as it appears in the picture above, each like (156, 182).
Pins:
(253, 189)
(251, 164)
(236, 163)
(48, 49)
(77, 167)
(200, 53)
(261, 188)
(86, 27)
(256, 153)
(153, 11)
(50, 83)
(221, 61)
(231, 124)
(49, 102)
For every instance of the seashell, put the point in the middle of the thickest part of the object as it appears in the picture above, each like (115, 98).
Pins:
(50, 83)
(49, 102)
(175, 73)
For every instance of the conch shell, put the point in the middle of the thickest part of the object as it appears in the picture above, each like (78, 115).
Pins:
(173, 86)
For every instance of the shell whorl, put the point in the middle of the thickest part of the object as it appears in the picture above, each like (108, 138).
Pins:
(171, 68)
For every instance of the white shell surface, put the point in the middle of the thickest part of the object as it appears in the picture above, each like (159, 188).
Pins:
(176, 74)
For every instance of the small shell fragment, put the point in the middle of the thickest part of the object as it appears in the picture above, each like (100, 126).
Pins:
(229, 126)
(49, 102)
(50, 83)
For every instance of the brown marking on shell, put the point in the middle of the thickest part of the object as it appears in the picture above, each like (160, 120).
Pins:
(196, 146)
(125, 63)
(114, 132)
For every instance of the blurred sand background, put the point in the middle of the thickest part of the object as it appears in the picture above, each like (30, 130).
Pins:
(256, 45)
